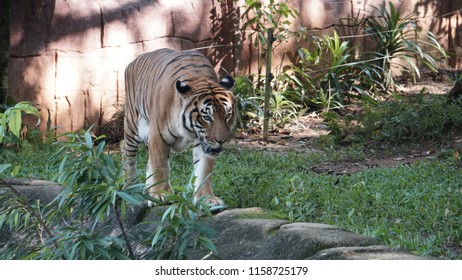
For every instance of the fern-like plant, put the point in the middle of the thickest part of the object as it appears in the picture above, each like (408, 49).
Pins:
(400, 44)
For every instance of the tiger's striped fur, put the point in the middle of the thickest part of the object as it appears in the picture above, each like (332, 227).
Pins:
(173, 100)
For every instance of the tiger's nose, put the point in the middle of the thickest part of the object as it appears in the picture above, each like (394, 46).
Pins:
(220, 141)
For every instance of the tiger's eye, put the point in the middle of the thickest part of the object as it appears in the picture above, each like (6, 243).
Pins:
(207, 118)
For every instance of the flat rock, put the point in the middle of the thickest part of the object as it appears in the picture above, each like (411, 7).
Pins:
(376, 252)
(253, 234)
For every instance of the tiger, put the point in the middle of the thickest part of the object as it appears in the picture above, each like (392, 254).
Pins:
(174, 99)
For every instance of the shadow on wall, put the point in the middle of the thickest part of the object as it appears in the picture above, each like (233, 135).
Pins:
(56, 53)
(227, 44)
(448, 29)
(69, 58)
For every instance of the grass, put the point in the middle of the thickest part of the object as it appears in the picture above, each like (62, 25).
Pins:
(418, 207)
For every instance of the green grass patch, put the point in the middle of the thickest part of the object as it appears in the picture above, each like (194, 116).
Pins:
(416, 207)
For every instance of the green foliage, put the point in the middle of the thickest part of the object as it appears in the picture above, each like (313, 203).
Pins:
(344, 77)
(331, 72)
(11, 119)
(10, 129)
(399, 43)
(282, 109)
(95, 197)
(179, 223)
(422, 117)
(26, 165)
(259, 16)
(248, 101)
(94, 181)
(251, 99)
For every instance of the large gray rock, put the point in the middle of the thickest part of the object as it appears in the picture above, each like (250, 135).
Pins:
(252, 233)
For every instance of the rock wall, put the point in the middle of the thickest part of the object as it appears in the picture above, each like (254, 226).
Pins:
(69, 56)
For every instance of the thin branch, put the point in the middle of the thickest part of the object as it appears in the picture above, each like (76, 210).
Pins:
(122, 228)
(30, 209)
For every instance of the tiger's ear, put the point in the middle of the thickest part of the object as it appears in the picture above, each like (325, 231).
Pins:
(182, 87)
(227, 82)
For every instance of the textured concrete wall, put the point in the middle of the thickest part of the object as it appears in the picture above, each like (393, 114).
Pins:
(69, 56)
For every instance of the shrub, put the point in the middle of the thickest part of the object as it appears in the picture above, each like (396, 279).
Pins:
(400, 44)
(76, 225)
(330, 73)
(422, 117)
(11, 120)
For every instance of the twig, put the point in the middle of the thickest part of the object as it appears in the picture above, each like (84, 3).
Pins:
(124, 234)
(30, 209)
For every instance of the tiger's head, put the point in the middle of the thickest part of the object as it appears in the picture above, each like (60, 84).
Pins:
(210, 111)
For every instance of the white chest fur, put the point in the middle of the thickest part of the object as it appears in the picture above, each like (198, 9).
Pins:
(143, 130)
(177, 139)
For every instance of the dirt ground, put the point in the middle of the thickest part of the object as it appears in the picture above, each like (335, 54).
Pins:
(301, 135)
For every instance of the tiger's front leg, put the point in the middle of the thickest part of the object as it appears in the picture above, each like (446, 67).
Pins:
(203, 169)
(158, 168)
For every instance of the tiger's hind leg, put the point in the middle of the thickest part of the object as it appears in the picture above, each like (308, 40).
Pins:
(158, 168)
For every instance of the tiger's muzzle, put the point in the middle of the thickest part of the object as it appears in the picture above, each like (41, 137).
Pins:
(212, 148)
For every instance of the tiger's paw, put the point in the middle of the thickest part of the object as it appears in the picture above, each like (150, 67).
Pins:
(159, 199)
(214, 203)
(151, 203)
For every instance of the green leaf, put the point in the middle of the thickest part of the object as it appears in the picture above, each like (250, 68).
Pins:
(206, 243)
(170, 209)
(183, 245)
(100, 149)
(62, 164)
(2, 220)
(350, 214)
(2, 126)
(4, 167)
(26, 220)
(15, 171)
(27, 108)
(156, 237)
(72, 179)
(31, 256)
(90, 245)
(88, 139)
(130, 199)
(15, 123)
